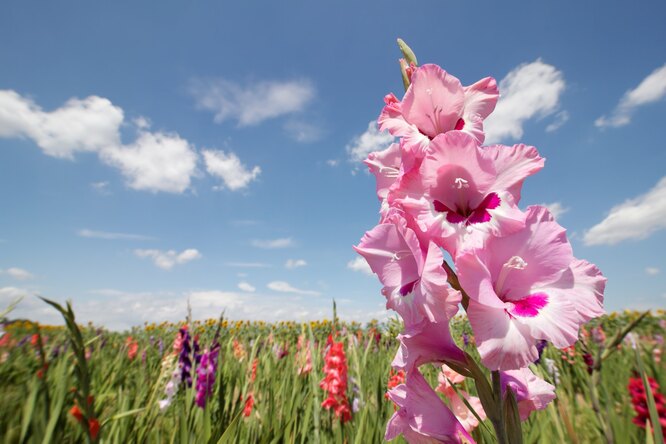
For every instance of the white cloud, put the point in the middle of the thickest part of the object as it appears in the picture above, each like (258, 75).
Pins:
(112, 236)
(167, 259)
(89, 124)
(155, 162)
(332, 162)
(652, 271)
(636, 218)
(271, 244)
(371, 140)
(285, 287)
(650, 90)
(252, 104)
(556, 208)
(361, 265)
(18, 273)
(295, 263)
(247, 264)
(529, 90)
(120, 310)
(247, 287)
(229, 168)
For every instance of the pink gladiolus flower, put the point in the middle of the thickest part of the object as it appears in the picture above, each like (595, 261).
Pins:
(532, 393)
(422, 416)
(335, 381)
(446, 378)
(461, 188)
(415, 284)
(424, 343)
(526, 287)
(436, 102)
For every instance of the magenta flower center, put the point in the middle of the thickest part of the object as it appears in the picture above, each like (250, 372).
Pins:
(467, 215)
(529, 306)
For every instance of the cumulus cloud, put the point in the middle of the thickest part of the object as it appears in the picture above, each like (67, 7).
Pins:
(636, 218)
(556, 208)
(247, 287)
(253, 103)
(271, 244)
(154, 161)
(530, 90)
(652, 271)
(112, 236)
(361, 265)
(295, 263)
(371, 140)
(89, 124)
(166, 260)
(18, 273)
(285, 287)
(650, 90)
(229, 168)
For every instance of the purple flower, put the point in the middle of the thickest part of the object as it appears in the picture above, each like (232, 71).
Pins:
(184, 361)
(206, 376)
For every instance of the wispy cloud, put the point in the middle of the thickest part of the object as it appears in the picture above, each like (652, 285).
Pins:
(361, 265)
(302, 131)
(285, 287)
(18, 273)
(273, 243)
(166, 260)
(247, 264)
(652, 271)
(530, 90)
(228, 167)
(650, 90)
(254, 103)
(636, 218)
(112, 236)
(295, 263)
(371, 140)
(556, 208)
(247, 287)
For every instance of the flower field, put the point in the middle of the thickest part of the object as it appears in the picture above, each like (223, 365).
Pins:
(325, 381)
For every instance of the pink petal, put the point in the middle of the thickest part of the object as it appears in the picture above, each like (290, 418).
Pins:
(434, 101)
(513, 165)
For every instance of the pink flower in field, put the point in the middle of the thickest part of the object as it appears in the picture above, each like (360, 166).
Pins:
(463, 414)
(132, 348)
(532, 393)
(426, 342)
(422, 417)
(525, 287)
(462, 188)
(415, 283)
(436, 102)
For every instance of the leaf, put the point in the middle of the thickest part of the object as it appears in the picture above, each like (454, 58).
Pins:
(512, 418)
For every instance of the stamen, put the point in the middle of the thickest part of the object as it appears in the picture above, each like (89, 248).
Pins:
(460, 183)
(389, 172)
(397, 255)
(515, 263)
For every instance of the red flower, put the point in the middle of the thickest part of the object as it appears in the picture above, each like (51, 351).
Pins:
(335, 380)
(132, 347)
(639, 400)
(249, 403)
(75, 411)
(93, 427)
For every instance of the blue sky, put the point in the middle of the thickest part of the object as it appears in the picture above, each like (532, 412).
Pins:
(151, 152)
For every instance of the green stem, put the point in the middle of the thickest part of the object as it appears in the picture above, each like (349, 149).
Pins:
(498, 418)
